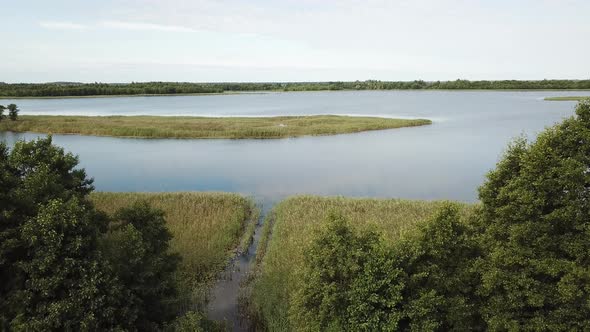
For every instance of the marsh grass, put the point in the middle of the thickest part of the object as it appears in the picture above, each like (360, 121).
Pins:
(289, 230)
(206, 227)
(204, 127)
(567, 98)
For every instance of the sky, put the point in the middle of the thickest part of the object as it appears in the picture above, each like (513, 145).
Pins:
(293, 40)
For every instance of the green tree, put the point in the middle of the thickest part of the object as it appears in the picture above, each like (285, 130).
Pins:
(440, 284)
(350, 282)
(13, 111)
(53, 277)
(2, 116)
(68, 286)
(536, 215)
(137, 247)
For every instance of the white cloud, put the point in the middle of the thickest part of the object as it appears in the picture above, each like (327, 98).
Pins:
(145, 26)
(62, 25)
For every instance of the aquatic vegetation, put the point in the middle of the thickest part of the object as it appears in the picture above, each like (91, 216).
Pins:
(203, 127)
(567, 98)
(206, 229)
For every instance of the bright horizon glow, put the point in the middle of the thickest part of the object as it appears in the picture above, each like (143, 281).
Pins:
(293, 40)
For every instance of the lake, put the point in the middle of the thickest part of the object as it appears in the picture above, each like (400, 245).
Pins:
(447, 160)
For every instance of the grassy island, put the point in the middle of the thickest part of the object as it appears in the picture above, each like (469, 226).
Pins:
(567, 98)
(204, 127)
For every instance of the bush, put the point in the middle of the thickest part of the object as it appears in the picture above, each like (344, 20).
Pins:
(350, 282)
(425, 282)
(439, 281)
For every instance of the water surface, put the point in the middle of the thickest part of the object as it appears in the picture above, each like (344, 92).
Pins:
(447, 160)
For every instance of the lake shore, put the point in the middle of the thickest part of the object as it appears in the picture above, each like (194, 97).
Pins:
(205, 127)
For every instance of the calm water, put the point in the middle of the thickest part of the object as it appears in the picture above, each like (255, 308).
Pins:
(447, 160)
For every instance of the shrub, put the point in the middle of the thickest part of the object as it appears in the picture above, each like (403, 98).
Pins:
(439, 292)
(350, 282)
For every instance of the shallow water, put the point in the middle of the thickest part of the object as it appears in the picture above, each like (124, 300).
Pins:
(224, 297)
(447, 160)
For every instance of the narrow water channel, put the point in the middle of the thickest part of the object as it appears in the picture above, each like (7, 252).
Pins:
(224, 302)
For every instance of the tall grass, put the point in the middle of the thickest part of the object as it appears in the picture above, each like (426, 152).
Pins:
(289, 230)
(201, 127)
(206, 227)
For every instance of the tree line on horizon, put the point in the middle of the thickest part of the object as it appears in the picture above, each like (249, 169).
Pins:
(64, 89)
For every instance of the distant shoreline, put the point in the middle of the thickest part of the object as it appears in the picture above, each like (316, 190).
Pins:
(143, 89)
(262, 92)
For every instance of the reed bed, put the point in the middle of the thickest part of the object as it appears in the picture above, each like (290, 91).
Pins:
(204, 127)
(288, 232)
(207, 229)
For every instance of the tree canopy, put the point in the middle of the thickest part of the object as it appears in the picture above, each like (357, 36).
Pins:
(66, 266)
(536, 217)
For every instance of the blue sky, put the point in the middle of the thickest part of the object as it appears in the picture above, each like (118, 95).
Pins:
(294, 40)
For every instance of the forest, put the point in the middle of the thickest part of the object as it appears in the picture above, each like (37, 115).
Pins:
(72, 89)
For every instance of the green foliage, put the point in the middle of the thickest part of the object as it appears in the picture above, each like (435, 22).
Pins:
(2, 116)
(52, 275)
(137, 248)
(12, 111)
(536, 266)
(194, 321)
(439, 293)
(172, 88)
(68, 286)
(350, 283)
(425, 282)
(292, 227)
(60, 268)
